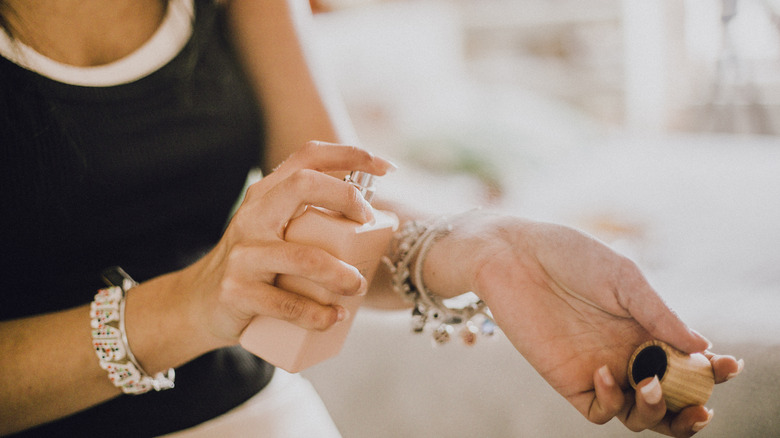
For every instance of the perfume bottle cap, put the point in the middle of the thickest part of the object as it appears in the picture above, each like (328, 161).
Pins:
(364, 183)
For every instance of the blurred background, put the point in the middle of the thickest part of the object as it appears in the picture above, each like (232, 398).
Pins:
(650, 124)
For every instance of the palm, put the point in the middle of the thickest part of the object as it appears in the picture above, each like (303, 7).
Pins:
(567, 339)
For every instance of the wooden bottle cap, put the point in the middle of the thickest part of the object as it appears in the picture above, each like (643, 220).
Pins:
(686, 379)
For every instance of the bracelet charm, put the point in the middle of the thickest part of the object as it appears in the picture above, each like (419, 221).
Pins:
(411, 246)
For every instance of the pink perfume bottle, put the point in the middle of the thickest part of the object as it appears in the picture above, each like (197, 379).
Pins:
(293, 348)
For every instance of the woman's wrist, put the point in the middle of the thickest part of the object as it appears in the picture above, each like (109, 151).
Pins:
(453, 263)
(160, 326)
(411, 270)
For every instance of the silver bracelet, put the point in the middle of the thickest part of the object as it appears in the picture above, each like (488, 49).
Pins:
(109, 339)
(410, 248)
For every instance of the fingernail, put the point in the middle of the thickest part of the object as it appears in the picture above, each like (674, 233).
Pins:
(702, 424)
(652, 391)
(740, 367)
(368, 210)
(606, 376)
(369, 214)
(363, 288)
(393, 167)
(342, 314)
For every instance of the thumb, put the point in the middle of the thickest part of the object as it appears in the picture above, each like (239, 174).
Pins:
(655, 316)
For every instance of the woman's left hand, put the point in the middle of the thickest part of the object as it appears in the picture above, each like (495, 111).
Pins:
(576, 310)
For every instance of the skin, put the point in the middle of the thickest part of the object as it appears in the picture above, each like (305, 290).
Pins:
(570, 305)
(577, 314)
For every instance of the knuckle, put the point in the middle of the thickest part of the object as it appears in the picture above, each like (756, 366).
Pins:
(634, 427)
(237, 256)
(353, 195)
(309, 259)
(226, 290)
(310, 146)
(229, 292)
(293, 307)
(304, 153)
(596, 416)
(238, 221)
(246, 223)
(308, 153)
(302, 180)
(354, 150)
(334, 275)
(253, 190)
(363, 156)
(348, 280)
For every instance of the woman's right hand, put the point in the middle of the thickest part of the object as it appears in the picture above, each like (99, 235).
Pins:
(177, 317)
(234, 282)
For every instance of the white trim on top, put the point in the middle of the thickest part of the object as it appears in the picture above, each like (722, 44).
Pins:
(167, 41)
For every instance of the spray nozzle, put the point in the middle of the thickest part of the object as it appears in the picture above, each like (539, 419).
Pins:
(364, 183)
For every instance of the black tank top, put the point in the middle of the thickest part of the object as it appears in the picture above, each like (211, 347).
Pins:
(141, 175)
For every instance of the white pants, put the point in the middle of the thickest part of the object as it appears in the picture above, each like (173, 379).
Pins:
(288, 407)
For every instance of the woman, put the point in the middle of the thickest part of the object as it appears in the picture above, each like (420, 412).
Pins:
(127, 129)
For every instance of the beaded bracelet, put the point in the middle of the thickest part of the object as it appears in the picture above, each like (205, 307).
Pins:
(109, 339)
(410, 248)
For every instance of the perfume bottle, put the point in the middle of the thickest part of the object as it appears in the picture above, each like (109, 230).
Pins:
(294, 348)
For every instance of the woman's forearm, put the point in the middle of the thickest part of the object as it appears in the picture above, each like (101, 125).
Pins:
(274, 43)
(49, 369)
(39, 379)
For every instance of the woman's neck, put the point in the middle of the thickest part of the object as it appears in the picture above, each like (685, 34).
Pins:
(84, 32)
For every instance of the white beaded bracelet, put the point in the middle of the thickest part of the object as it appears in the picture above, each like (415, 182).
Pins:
(410, 249)
(109, 339)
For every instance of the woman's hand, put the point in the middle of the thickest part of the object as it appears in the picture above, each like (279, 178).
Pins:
(576, 310)
(235, 281)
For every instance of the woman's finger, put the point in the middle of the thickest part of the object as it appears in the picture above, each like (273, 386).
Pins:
(330, 157)
(651, 312)
(649, 407)
(304, 261)
(687, 423)
(609, 398)
(245, 298)
(297, 309)
(725, 367)
(309, 187)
